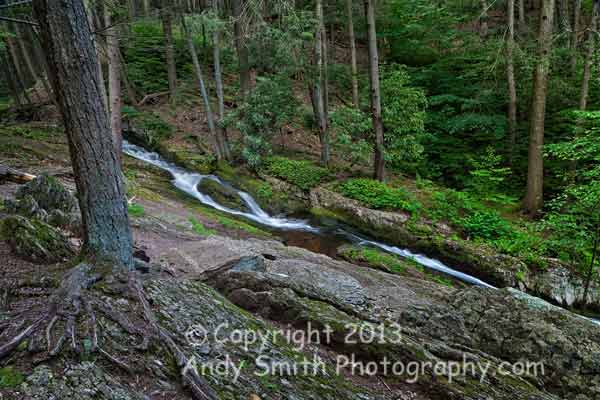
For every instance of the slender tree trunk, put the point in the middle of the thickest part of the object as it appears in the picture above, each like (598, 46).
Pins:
(535, 174)
(221, 131)
(41, 59)
(522, 23)
(379, 157)
(589, 59)
(242, 51)
(66, 36)
(167, 23)
(483, 20)
(9, 79)
(575, 34)
(510, 75)
(27, 58)
(353, 63)
(114, 81)
(13, 63)
(131, 94)
(590, 273)
(199, 76)
(319, 85)
(564, 19)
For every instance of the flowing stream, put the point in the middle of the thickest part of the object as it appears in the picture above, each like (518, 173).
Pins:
(332, 236)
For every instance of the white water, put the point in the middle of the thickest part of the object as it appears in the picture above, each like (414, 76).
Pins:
(188, 182)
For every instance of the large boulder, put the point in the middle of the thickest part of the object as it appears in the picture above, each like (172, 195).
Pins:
(49, 194)
(35, 240)
(495, 329)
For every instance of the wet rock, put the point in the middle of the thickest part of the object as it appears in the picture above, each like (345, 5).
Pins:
(222, 194)
(26, 206)
(36, 240)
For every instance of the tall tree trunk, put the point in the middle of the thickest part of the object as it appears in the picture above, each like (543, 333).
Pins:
(131, 94)
(379, 157)
(319, 89)
(221, 131)
(242, 51)
(66, 36)
(522, 23)
(41, 59)
(353, 63)
(167, 23)
(115, 99)
(564, 19)
(13, 64)
(534, 198)
(510, 75)
(9, 79)
(575, 34)
(589, 59)
(27, 58)
(483, 20)
(199, 76)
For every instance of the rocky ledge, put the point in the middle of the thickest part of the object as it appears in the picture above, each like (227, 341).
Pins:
(557, 283)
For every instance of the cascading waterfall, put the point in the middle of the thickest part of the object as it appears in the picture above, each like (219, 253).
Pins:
(188, 182)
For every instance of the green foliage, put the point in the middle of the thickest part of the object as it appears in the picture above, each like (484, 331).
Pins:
(136, 210)
(301, 173)
(266, 110)
(353, 138)
(487, 177)
(452, 206)
(378, 195)
(486, 225)
(265, 191)
(403, 114)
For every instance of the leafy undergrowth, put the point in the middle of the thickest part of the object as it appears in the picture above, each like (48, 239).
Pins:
(301, 173)
(470, 217)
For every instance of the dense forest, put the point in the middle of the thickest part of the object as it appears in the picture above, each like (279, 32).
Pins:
(406, 191)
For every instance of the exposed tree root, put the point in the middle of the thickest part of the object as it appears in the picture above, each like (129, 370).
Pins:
(76, 300)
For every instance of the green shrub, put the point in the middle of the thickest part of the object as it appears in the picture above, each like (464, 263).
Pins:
(153, 128)
(487, 225)
(378, 195)
(303, 174)
(10, 378)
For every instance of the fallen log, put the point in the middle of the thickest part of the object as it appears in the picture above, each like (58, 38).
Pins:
(13, 175)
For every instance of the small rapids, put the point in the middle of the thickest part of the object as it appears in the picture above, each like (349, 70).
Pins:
(188, 182)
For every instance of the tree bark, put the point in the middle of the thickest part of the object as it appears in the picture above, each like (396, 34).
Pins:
(91, 14)
(379, 157)
(319, 89)
(534, 199)
(510, 75)
(167, 23)
(221, 131)
(115, 99)
(199, 76)
(242, 51)
(575, 34)
(589, 59)
(66, 36)
(353, 63)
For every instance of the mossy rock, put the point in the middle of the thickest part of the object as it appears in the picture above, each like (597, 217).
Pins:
(193, 160)
(222, 194)
(49, 194)
(35, 240)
